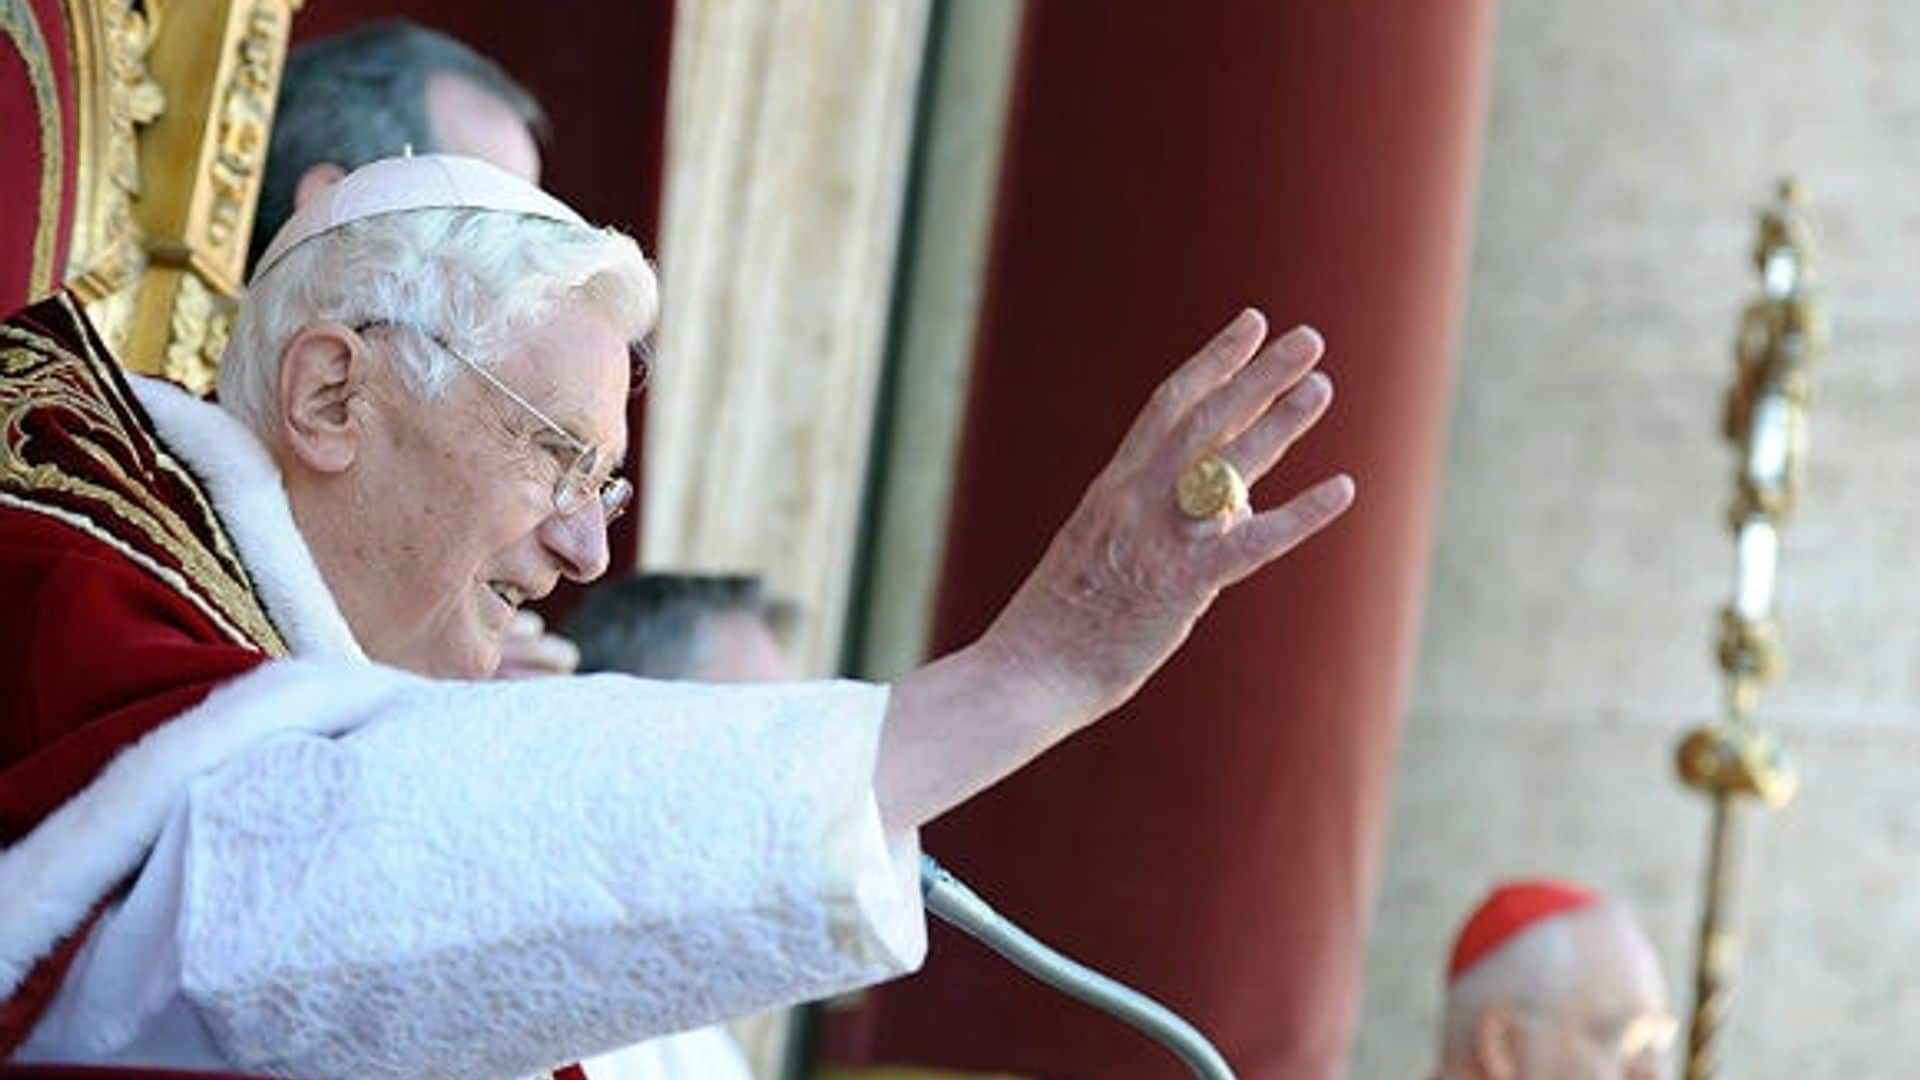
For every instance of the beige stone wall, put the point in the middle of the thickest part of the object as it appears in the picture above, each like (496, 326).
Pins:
(1581, 551)
(789, 131)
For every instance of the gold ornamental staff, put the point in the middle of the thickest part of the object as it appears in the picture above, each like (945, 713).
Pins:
(1781, 335)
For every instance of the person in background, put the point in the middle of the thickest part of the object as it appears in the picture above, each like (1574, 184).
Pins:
(703, 627)
(373, 92)
(1552, 981)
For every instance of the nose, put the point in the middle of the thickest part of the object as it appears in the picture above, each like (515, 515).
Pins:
(579, 541)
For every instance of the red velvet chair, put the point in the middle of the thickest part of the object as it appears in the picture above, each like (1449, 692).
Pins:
(37, 171)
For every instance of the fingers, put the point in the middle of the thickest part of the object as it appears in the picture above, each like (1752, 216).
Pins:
(1257, 449)
(1234, 405)
(1215, 527)
(527, 650)
(1216, 361)
(550, 652)
(1267, 536)
(526, 625)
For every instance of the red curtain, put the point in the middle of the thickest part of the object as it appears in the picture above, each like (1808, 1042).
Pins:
(1217, 842)
(36, 116)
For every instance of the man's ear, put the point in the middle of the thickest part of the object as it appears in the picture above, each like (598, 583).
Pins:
(1496, 1042)
(321, 372)
(315, 180)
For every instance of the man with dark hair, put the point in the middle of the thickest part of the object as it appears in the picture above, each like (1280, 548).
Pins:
(708, 628)
(369, 93)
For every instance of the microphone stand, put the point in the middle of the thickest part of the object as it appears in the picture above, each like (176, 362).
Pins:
(958, 906)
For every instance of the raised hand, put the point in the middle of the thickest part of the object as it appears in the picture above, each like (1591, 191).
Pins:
(1125, 578)
(1129, 573)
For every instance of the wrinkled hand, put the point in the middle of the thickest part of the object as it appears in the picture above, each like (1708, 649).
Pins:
(1127, 576)
(529, 651)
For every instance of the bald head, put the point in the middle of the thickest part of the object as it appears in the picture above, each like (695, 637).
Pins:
(353, 98)
(470, 119)
(1575, 996)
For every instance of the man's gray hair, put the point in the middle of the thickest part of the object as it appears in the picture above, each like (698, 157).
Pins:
(360, 96)
(476, 281)
(1532, 973)
(653, 625)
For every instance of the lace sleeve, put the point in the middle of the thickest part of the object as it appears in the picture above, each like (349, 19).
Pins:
(491, 879)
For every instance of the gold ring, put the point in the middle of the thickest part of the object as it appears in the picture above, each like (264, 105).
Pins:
(1210, 488)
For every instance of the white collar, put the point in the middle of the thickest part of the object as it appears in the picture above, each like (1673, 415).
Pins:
(245, 486)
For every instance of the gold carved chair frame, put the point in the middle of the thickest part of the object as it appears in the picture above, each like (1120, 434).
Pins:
(173, 107)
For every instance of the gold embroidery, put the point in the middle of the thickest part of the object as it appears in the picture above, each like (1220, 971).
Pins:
(166, 574)
(18, 23)
(44, 375)
(223, 546)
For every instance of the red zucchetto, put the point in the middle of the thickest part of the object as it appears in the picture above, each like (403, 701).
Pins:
(1509, 910)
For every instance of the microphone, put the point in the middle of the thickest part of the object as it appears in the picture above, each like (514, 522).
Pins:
(962, 908)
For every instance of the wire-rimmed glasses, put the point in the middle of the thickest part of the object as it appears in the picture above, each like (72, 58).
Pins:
(575, 486)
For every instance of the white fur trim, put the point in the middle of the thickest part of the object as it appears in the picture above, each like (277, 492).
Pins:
(246, 490)
(50, 879)
(53, 877)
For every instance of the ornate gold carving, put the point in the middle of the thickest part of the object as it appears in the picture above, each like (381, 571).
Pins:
(200, 325)
(1780, 337)
(245, 116)
(220, 61)
(176, 105)
(116, 97)
(18, 23)
(1724, 759)
(1749, 648)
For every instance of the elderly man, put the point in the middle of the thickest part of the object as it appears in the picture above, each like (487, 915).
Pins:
(1551, 981)
(259, 815)
(368, 93)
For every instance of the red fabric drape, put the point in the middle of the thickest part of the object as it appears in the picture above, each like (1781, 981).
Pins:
(1216, 842)
(29, 191)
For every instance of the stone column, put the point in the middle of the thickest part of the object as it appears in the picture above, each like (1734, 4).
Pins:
(789, 130)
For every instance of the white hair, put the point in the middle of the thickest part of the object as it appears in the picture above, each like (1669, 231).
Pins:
(475, 279)
(1536, 967)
